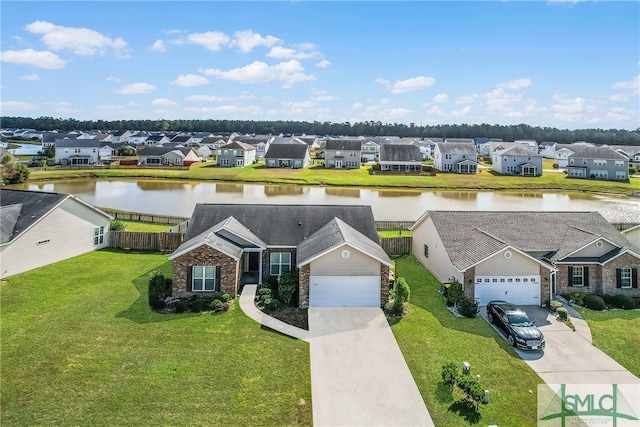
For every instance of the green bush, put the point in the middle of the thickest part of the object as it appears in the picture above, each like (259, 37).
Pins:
(554, 305)
(401, 291)
(225, 297)
(471, 387)
(562, 313)
(594, 302)
(196, 305)
(159, 289)
(577, 297)
(272, 282)
(454, 293)
(117, 225)
(180, 306)
(624, 301)
(637, 301)
(393, 308)
(468, 307)
(272, 304)
(449, 373)
(223, 306)
(287, 285)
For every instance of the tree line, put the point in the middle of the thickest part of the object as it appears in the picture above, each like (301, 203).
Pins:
(366, 128)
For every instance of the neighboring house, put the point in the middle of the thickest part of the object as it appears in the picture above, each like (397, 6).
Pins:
(526, 257)
(204, 151)
(197, 137)
(236, 154)
(633, 235)
(342, 153)
(49, 138)
(459, 140)
(516, 160)
(547, 149)
(456, 157)
(400, 158)
(597, 163)
(153, 140)
(334, 250)
(530, 145)
(139, 138)
(261, 144)
(75, 152)
(215, 142)
(164, 156)
(424, 147)
(295, 156)
(184, 140)
(40, 228)
(370, 150)
(107, 151)
(631, 152)
(4, 153)
(103, 137)
(562, 153)
(121, 137)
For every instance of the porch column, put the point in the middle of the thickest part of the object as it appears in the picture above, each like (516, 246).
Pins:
(260, 268)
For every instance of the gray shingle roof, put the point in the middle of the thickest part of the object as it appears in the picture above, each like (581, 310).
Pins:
(516, 151)
(400, 153)
(161, 151)
(456, 147)
(73, 143)
(343, 144)
(21, 209)
(287, 151)
(585, 151)
(237, 145)
(470, 237)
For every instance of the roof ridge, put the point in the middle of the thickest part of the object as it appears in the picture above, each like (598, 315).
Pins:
(491, 235)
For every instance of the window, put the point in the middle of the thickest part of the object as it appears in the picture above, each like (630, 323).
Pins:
(623, 277)
(621, 175)
(577, 276)
(98, 236)
(76, 151)
(619, 163)
(279, 263)
(426, 251)
(600, 162)
(203, 278)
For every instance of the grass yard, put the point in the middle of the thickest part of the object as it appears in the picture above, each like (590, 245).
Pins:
(394, 233)
(147, 227)
(81, 347)
(430, 335)
(617, 333)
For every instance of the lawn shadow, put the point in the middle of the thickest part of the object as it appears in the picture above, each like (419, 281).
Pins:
(467, 410)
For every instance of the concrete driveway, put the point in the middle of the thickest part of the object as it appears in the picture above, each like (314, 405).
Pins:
(358, 374)
(570, 357)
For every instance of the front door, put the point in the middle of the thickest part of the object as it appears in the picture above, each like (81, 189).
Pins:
(338, 163)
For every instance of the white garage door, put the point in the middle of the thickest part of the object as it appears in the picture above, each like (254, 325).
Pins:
(344, 291)
(519, 290)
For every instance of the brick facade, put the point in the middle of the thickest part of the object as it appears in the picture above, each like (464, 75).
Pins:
(384, 284)
(602, 278)
(207, 256)
(304, 276)
(469, 283)
(266, 261)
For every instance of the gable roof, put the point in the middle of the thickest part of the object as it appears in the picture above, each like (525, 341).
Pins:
(73, 143)
(470, 237)
(589, 152)
(334, 234)
(237, 145)
(281, 225)
(287, 151)
(51, 137)
(515, 150)
(161, 151)
(400, 153)
(456, 147)
(343, 144)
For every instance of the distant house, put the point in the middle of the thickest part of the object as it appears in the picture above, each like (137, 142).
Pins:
(456, 157)
(40, 228)
(400, 158)
(156, 140)
(528, 144)
(295, 156)
(261, 144)
(76, 152)
(139, 138)
(547, 149)
(49, 138)
(342, 153)
(184, 140)
(597, 163)
(165, 156)
(197, 137)
(215, 142)
(632, 234)
(631, 152)
(424, 147)
(121, 137)
(236, 154)
(204, 151)
(562, 153)
(370, 150)
(513, 159)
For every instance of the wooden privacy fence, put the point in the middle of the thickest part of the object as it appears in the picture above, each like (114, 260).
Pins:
(141, 241)
(396, 246)
(144, 217)
(393, 225)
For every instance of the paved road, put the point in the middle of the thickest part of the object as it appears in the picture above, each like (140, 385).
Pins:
(358, 374)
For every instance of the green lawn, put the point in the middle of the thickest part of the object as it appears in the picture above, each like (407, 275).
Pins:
(146, 227)
(319, 175)
(617, 333)
(430, 335)
(394, 233)
(81, 347)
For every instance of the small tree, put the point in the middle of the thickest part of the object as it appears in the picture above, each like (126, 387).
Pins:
(287, 285)
(159, 289)
(455, 293)
(449, 373)
(12, 172)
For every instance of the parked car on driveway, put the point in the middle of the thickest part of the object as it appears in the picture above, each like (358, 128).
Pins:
(516, 325)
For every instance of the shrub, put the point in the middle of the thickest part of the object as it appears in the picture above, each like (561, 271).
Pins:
(401, 291)
(272, 304)
(562, 313)
(196, 305)
(554, 305)
(272, 282)
(180, 306)
(158, 290)
(637, 301)
(287, 285)
(449, 373)
(223, 306)
(393, 308)
(577, 297)
(454, 293)
(468, 307)
(471, 387)
(225, 297)
(624, 301)
(594, 302)
(117, 225)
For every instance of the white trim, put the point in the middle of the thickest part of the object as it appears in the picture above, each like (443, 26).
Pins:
(592, 242)
(259, 246)
(506, 248)
(196, 246)
(622, 252)
(332, 248)
(624, 232)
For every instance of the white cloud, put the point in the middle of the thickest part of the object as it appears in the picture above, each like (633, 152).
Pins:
(113, 79)
(632, 85)
(408, 85)
(110, 107)
(441, 97)
(357, 106)
(158, 46)
(163, 102)
(397, 113)
(289, 72)
(571, 109)
(81, 41)
(280, 52)
(246, 40)
(42, 59)
(135, 88)
(466, 99)
(190, 80)
(515, 84)
(325, 98)
(212, 40)
(323, 64)
(382, 81)
(462, 112)
(8, 108)
(30, 77)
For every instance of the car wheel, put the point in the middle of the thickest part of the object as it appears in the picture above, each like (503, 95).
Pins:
(490, 317)
(511, 341)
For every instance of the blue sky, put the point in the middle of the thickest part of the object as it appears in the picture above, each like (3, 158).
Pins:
(560, 64)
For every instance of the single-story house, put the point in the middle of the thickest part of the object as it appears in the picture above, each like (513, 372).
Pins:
(40, 228)
(526, 257)
(177, 156)
(334, 249)
(400, 158)
(295, 156)
(236, 154)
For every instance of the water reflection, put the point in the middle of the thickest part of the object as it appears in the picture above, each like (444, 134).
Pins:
(283, 190)
(398, 193)
(343, 192)
(155, 185)
(458, 195)
(225, 187)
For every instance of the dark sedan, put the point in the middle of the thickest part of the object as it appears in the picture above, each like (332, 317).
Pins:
(516, 325)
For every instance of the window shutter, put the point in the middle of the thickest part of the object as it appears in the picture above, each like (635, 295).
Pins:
(570, 274)
(189, 286)
(586, 275)
(618, 278)
(634, 277)
(217, 286)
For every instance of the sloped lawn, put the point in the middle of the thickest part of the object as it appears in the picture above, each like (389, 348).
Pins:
(430, 335)
(617, 333)
(81, 347)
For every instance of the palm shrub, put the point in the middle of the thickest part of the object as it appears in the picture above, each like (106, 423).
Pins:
(578, 297)
(117, 225)
(399, 294)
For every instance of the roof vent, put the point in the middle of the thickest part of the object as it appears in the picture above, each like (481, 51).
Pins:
(299, 224)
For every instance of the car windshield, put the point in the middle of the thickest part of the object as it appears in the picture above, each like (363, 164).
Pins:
(519, 320)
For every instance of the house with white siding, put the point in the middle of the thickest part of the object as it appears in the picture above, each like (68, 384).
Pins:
(40, 228)
(77, 152)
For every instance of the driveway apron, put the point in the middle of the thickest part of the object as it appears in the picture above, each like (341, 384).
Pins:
(358, 374)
